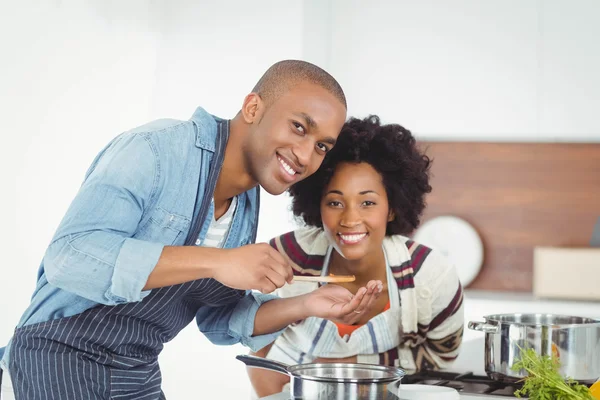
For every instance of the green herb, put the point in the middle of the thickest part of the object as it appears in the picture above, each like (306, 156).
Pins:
(545, 382)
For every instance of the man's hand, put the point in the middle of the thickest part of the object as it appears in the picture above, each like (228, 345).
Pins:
(336, 303)
(255, 266)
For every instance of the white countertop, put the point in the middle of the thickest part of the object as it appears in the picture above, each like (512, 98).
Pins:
(525, 297)
(286, 396)
(479, 303)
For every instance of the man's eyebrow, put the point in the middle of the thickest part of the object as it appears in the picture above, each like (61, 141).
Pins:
(329, 140)
(307, 119)
(313, 124)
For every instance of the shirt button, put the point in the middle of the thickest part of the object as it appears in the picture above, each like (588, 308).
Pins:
(197, 242)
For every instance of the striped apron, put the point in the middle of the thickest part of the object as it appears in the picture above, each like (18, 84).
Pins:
(111, 352)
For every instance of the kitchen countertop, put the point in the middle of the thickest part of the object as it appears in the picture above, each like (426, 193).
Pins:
(527, 297)
(479, 303)
(286, 396)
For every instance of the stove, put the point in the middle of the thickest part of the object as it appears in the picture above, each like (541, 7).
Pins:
(469, 385)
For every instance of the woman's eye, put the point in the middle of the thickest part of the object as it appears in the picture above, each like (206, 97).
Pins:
(299, 127)
(334, 204)
(369, 203)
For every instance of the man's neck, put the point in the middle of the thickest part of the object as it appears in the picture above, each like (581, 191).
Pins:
(234, 177)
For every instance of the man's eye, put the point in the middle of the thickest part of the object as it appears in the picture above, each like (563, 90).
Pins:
(323, 147)
(299, 127)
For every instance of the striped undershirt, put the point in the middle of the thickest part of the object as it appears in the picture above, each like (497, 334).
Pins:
(217, 232)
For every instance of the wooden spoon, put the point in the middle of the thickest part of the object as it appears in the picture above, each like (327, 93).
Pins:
(328, 278)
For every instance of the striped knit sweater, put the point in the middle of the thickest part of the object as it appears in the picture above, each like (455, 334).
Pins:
(422, 329)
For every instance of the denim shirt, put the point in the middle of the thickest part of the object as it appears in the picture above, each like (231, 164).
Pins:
(138, 196)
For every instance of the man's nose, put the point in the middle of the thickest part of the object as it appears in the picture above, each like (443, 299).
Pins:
(304, 152)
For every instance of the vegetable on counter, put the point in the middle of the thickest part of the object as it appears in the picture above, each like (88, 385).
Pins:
(545, 382)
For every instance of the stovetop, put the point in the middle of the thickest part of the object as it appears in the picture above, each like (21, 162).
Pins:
(469, 385)
(465, 383)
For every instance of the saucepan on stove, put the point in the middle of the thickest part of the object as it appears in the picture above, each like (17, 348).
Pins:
(574, 340)
(335, 381)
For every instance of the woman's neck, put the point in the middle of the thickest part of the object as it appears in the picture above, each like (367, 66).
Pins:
(370, 267)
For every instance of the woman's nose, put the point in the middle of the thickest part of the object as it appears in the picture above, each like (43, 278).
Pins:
(350, 218)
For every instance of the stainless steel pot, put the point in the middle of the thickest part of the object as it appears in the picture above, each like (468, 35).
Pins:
(575, 340)
(335, 381)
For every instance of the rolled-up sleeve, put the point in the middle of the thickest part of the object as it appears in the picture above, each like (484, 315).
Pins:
(233, 324)
(93, 253)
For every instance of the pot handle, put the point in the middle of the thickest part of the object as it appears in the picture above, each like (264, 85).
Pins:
(259, 362)
(483, 327)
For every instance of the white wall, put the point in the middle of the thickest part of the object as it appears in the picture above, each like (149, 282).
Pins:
(523, 70)
(73, 75)
(76, 73)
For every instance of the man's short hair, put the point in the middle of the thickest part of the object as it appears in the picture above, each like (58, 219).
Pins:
(283, 75)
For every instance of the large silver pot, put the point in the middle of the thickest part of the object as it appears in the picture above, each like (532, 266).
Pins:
(575, 340)
(335, 381)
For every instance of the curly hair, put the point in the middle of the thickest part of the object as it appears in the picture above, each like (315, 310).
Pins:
(392, 151)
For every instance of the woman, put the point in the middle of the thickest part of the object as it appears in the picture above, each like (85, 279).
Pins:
(368, 193)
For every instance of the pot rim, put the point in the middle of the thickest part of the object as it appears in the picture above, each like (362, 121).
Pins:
(296, 372)
(497, 318)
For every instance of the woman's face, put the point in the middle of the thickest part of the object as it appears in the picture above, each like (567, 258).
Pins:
(355, 210)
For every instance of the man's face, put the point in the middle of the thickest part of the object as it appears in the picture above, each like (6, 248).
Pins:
(288, 139)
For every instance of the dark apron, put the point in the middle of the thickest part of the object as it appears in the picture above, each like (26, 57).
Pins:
(111, 352)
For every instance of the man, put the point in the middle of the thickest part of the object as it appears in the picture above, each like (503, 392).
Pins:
(161, 232)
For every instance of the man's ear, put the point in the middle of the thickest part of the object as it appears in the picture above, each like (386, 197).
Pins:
(252, 108)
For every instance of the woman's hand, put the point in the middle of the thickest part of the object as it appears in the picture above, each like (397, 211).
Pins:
(336, 303)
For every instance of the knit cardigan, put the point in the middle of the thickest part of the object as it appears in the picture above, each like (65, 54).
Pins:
(422, 329)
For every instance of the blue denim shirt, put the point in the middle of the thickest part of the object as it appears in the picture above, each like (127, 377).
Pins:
(139, 195)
